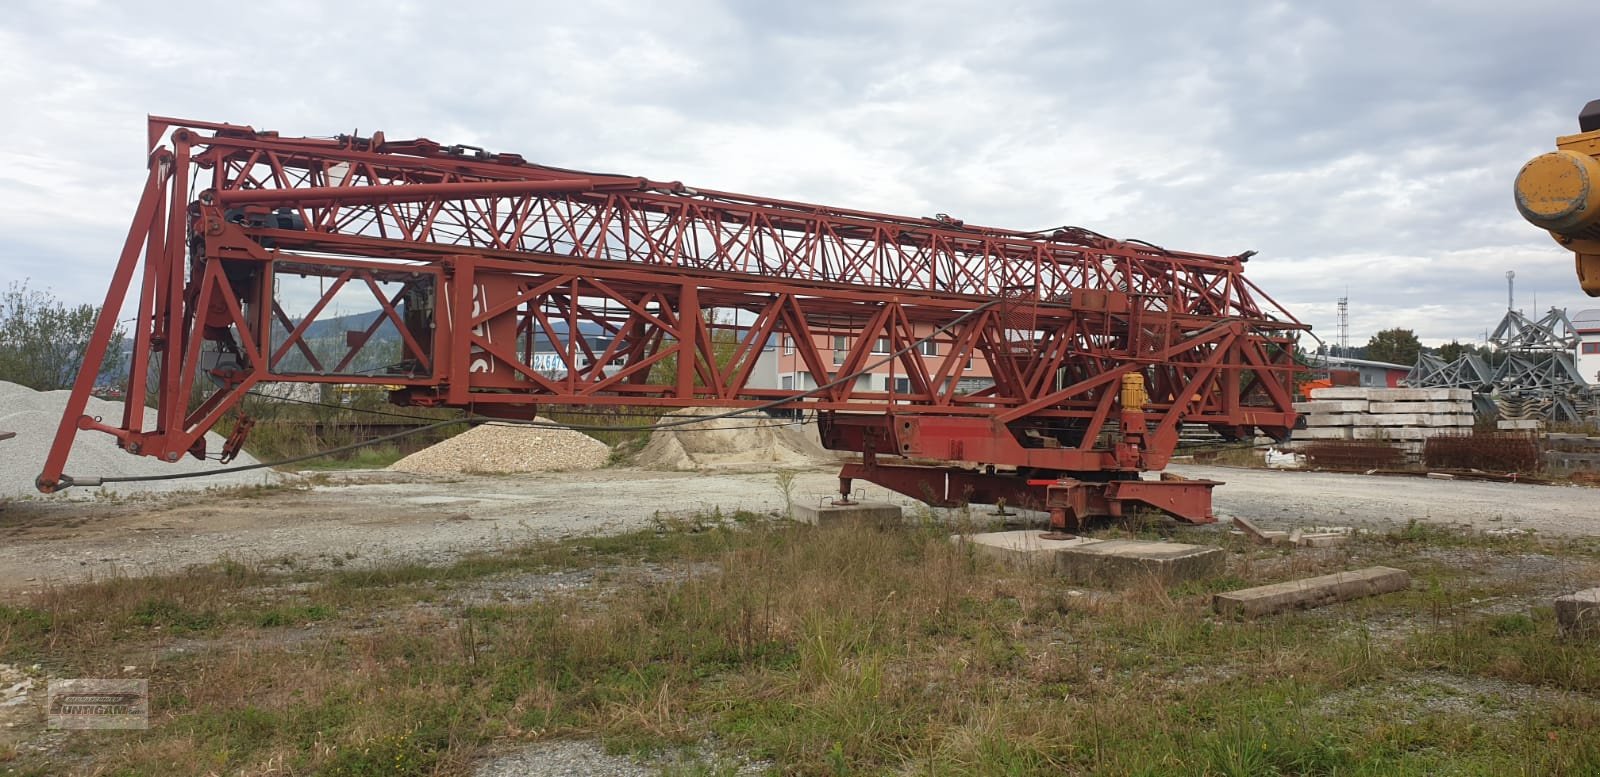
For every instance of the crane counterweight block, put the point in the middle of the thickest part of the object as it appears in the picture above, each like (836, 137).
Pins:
(960, 362)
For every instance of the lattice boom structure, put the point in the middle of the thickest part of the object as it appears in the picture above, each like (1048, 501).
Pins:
(503, 285)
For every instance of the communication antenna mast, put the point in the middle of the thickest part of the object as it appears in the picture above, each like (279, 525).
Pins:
(1342, 328)
(1511, 282)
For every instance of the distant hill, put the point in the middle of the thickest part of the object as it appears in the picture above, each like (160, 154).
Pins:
(326, 336)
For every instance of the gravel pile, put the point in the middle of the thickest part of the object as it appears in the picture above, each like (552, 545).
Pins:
(501, 448)
(34, 415)
(750, 441)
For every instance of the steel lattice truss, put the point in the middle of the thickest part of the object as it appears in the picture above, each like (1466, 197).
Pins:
(1468, 372)
(1537, 378)
(1553, 332)
(510, 285)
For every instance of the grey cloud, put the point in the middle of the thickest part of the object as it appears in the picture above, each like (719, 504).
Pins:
(1364, 145)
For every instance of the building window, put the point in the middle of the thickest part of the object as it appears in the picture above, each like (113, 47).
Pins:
(841, 346)
(788, 345)
(929, 347)
(1589, 348)
(881, 346)
(902, 385)
(788, 383)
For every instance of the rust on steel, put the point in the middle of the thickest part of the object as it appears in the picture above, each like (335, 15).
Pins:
(489, 269)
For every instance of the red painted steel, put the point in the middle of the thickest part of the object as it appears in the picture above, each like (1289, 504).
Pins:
(507, 285)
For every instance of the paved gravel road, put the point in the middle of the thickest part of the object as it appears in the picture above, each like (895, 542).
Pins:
(1281, 498)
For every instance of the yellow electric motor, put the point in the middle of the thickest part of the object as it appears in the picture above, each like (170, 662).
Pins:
(1134, 396)
(1560, 192)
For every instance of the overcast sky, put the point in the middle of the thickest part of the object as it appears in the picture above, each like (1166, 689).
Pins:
(1363, 148)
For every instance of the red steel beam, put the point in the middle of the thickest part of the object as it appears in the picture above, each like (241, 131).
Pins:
(494, 267)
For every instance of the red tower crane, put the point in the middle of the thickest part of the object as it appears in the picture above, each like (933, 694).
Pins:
(488, 270)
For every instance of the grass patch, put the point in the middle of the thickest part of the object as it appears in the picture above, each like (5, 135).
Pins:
(843, 650)
(369, 457)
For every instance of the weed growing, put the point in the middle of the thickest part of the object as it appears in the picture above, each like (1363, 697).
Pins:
(838, 650)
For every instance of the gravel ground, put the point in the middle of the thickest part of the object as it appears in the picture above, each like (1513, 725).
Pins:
(377, 517)
(573, 758)
(563, 759)
(1288, 499)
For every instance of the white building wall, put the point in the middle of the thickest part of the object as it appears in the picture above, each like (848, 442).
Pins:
(1587, 357)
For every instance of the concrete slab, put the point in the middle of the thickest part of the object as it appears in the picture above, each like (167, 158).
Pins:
(1323, 539)
(1331, 419)
(1420, 407)
(1389, 433)
(1525, 425)
(1322, 433)
(1400, 419)
(1108, 563)
(881, 513)
(1332, 406)
(1312, 592)
(1249, 527)
(1341, 392)
(1579, 613)
(1023, 547)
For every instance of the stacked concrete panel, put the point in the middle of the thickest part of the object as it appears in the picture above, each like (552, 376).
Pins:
(1405, 416)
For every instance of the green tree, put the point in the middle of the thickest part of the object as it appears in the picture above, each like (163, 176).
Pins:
(42, 340)
(1396, 346)
(1454, 350)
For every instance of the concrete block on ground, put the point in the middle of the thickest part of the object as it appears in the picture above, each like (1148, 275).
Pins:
(1332, 406)
(1024, 547)
(1322, 539)
(1579, 613)
(1312, 592)
(881, 513)
(1249, 527)
(1531, 424)
(1118, 563)
(1108, 563)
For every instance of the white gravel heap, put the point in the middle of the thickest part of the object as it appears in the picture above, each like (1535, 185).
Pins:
(34, 416)
(748, 441)
(501, 448)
